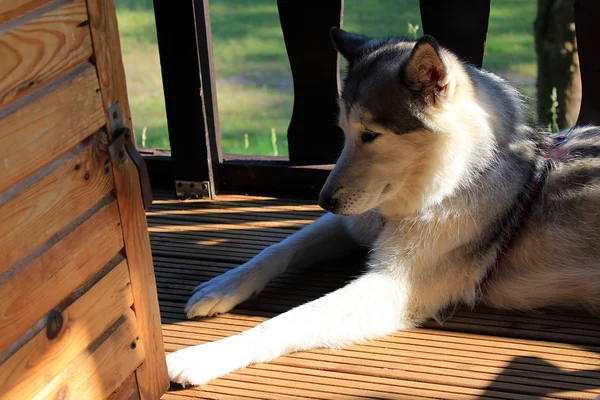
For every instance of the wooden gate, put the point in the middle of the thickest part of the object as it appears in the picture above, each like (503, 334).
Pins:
(79, 313)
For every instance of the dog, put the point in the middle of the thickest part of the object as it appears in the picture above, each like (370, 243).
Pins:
(460, 200)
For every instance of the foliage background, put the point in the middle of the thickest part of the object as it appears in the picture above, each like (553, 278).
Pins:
(254, 84)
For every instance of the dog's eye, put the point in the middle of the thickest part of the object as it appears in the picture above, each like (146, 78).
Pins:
(369, 136)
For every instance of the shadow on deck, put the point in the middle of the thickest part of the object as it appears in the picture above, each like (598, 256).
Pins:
(476, 354)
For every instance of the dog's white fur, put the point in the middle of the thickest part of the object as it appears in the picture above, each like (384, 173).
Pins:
(440, 189)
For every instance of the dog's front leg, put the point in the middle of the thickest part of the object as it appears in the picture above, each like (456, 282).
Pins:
(329, 237)
(371, 306)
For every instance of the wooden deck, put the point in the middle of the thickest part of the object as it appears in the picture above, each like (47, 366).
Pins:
(476, 354)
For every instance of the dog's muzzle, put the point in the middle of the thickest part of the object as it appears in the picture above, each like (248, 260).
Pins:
(328, 202)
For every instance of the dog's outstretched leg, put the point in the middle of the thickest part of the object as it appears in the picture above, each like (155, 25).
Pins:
(373, 305)
(327, 238)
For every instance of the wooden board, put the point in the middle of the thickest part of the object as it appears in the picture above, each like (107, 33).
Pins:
(48, 126)
(128, 390)
(41, 359)
(480, 354)
(54, 275)
(108, 364)
(30, 218)
(69, 299)
(108, 58)
(429, 368)
(152, 375)
(10, 10)
(42, 49)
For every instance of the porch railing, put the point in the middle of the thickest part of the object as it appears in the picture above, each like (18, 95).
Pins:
(185, 46)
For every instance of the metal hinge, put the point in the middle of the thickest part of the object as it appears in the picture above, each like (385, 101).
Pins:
(122, 148)
(191, 189)
(115, 117)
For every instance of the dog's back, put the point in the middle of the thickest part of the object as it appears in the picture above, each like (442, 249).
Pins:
(554, 260)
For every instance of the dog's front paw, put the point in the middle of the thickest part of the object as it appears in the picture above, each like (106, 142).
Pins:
(226, 291)
(189, 367)
(200, 364)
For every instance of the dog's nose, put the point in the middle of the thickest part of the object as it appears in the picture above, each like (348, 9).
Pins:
(328, 203)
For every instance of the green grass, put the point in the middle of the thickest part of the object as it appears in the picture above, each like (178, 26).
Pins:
(254, 84)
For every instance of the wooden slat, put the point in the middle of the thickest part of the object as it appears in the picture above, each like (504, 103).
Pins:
(108, 58)
(406, 343)
(46, 207)
(264, 211)
(239, 199)
(238, 252)
(205, 395)
(55, 274)
(152, 378)
(217, 243)
(330, 383)
(127, 391)
(41, 359)
(508, 373)
(49, 126)
(479, 354)
(220, 237)
(323, 386)
(283, 227)
(12, 9)
(98, 375)
(42, 49)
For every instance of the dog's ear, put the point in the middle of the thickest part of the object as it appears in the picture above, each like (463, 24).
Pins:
(349, 45)
(427, 72)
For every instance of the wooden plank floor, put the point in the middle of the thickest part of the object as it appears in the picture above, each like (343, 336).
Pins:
(476, 354)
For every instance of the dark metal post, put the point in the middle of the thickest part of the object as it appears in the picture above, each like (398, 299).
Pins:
(313, 134)
(587, 14)
(192, 161)
(461, 26)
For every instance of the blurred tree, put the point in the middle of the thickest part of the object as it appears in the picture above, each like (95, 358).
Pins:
(558, 64)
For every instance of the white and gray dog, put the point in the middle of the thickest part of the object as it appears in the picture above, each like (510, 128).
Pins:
(460, 200)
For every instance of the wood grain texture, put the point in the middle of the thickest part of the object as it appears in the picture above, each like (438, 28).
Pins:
(108, 58)
(41, 359)
(128, 390)
(49, 126)
(476, 354)
(152, 378)
(49, 205)
(98, 375)
(53, 276)
(42, 49)
(12, 9)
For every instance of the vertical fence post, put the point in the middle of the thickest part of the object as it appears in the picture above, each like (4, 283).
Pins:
(184, 93)
(587, 14)
(313, 134)
(207, 75)
(460, 26)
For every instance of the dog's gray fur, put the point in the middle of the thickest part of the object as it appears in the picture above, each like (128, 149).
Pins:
(442, 152)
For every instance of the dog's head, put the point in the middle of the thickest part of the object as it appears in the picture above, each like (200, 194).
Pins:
(395, 108)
